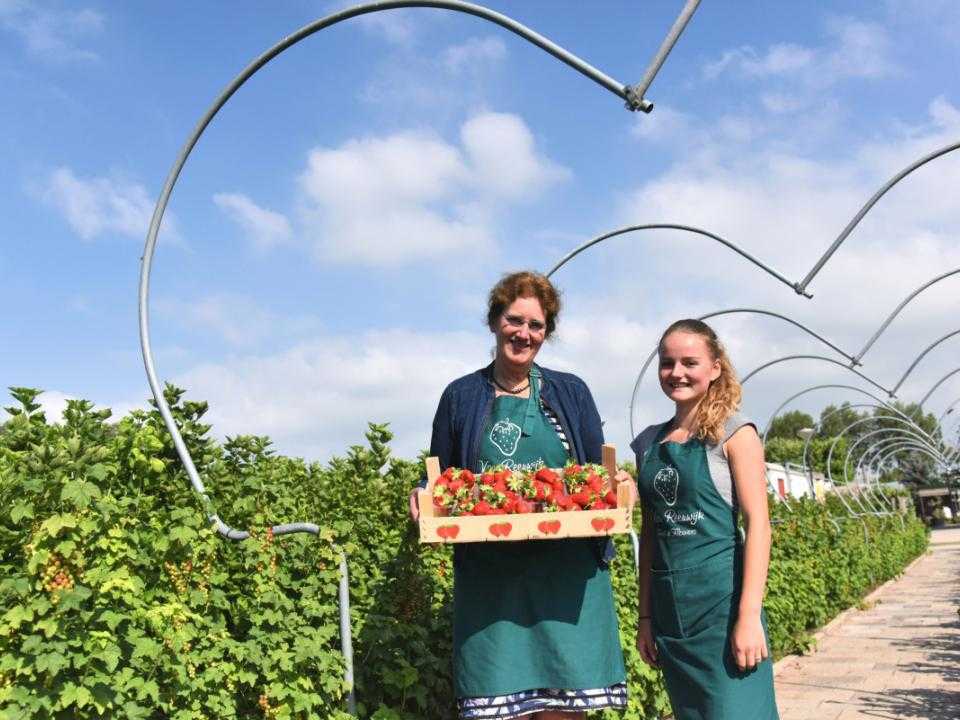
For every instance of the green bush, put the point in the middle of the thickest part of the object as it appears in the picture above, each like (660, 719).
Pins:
(118, 600)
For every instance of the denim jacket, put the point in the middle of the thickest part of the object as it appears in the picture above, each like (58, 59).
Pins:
(466, 404)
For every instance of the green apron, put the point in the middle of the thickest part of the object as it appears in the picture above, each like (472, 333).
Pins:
(536, 613)
(695, 588)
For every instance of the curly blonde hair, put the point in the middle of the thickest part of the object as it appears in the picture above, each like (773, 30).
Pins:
(724, 394)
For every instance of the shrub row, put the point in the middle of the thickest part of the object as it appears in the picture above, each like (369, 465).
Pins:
(117, 600)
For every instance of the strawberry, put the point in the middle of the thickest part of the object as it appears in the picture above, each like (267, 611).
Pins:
(546, 475)
(468, 478)
(595, 482)
(599, 505)
(525, 506)
(581, 498)
(610, 499)
(482, 507)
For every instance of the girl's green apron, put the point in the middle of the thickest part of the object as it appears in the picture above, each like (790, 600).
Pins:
(695, 588)
(537, 613)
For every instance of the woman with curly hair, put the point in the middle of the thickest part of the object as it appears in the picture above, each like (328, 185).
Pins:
(535, 630)
(701, 582)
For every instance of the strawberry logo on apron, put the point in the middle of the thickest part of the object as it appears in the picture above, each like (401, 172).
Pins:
(506, 435)
(666, 483)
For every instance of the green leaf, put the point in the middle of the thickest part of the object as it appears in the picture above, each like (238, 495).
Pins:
(20, 511)
(111, 619)
(80, 493)
(184, 535)
(98, 472)
(55, 523)
(145, 647)
(52, 662)
(75, 695)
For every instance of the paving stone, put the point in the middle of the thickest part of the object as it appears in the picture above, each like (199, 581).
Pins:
(897, 658)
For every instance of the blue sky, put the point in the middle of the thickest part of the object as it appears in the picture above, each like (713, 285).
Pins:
(330, 242)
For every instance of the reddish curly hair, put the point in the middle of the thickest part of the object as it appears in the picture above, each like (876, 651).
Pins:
(524, 284)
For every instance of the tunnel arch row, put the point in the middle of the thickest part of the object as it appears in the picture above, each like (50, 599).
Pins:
(633, 95)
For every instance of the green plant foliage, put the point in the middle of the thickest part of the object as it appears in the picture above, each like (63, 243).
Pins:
(786, 425)
(117, 600)
(787, 450)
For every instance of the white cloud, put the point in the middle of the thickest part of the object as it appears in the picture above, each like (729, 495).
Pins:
(854, 49)
(237, 319)
(662, 125)
(862, 51)
(786, 207)
(54, 403)
(397, 26)
(52, 34)
(265, 228)
(96, 206)
(475, 51)
(316, 398)
(780, 59)
(504, 160)
(411, 196)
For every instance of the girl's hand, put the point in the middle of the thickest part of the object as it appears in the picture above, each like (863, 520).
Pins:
(623, 476)
(748, 643)
(646, 644)
(415, 504)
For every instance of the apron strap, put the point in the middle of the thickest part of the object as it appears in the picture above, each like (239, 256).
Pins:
(532, 414)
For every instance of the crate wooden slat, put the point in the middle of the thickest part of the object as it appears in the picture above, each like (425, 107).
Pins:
(439, 528)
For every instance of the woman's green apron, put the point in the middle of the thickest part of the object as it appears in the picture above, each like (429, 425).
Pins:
(695, 588)
(538, 613)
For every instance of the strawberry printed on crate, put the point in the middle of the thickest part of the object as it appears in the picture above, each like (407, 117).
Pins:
(589, 486)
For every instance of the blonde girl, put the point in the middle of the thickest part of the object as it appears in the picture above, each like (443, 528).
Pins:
(701, 582)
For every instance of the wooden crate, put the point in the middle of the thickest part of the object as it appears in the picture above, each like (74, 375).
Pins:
(439, 528)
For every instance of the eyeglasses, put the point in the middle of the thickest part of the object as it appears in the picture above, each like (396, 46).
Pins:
(517, 322)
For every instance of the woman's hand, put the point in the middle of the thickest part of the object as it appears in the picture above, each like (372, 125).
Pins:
(645, 642)
(748, 642)
(415, 504)
(623, 476)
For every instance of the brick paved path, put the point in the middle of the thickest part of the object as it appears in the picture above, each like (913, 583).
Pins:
(899, 658)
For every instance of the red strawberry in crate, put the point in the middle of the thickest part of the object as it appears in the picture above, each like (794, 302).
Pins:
(468, 478)
(582, 498)
(482, 507)
(595, 482)
(524, 506)
(546, 475)
(610, 499)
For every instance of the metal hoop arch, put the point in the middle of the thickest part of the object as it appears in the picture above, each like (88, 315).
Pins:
(670, 226)
(921, 356)
(621, 90)
(718, 313)
(937, 384)
(819, 387)
(753, 372)
(802, 285)
(906, 301)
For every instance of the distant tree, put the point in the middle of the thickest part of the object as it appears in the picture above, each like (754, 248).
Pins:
(786, 425)
(833, 420)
